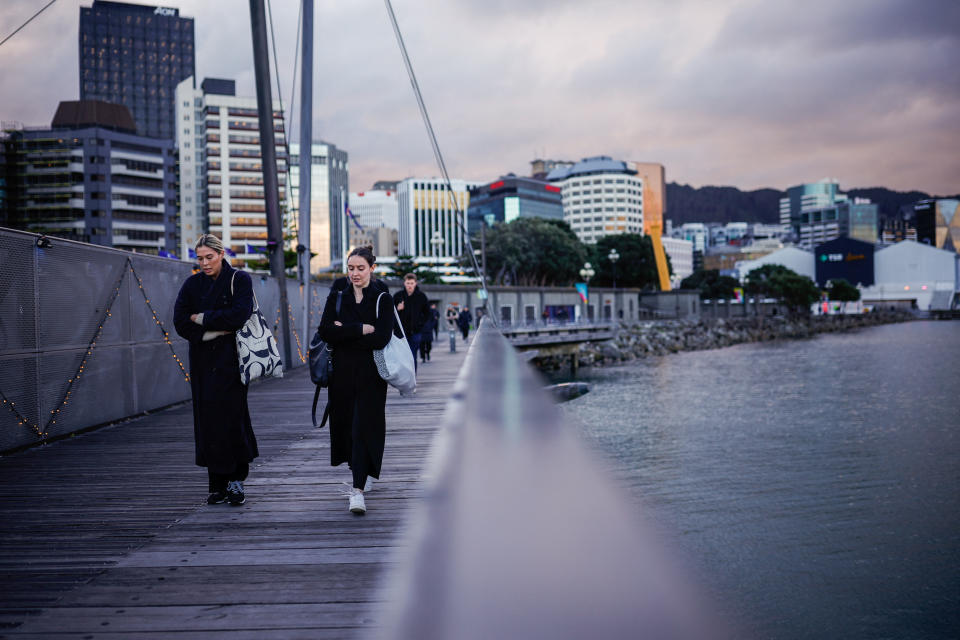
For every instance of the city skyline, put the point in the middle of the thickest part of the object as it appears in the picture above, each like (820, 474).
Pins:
(732, 93)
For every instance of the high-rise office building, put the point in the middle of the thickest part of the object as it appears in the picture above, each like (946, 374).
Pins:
(937, 223)
(328, 189)
(512, 197)
(601, 197)
(807, 197)
(855, 219)
(429, 229)
(221, 172)
(90, 178)
(135, 55)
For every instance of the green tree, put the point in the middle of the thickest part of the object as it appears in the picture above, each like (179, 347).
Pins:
(711, 284)
(842, 291)
(636, 267)
(406, 264)
(531, 252)
(776, 281)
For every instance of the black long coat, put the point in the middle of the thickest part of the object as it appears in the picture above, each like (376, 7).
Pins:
(223, 434)
(357, 392)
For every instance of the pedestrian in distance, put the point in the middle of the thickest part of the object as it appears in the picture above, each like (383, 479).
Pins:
(211, 306)
(435, 315)
(463, 321)
(414, 312)
(426, 336)
(451, 317)
(357, 394)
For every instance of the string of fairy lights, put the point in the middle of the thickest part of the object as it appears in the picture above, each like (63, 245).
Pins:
(156, 319)
(293, 329)
(43, 431)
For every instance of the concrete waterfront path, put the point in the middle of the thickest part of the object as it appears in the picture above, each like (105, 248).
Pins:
(107, 534)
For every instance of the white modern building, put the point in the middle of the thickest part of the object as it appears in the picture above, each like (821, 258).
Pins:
(328, 189)
(681, 258)
(696, 233)
(376, 208)
(797, 260)
(221, 172)
(913, 271)
(427, 218)
(375, 221)
(601, 197)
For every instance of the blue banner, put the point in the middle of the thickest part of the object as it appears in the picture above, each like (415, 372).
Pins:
(582, 290)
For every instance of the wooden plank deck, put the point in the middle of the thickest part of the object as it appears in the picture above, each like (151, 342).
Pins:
(107, 534)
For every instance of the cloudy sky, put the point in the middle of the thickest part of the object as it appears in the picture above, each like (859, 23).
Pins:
(748, 93)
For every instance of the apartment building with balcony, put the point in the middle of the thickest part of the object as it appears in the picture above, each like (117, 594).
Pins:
(601, 197)
(89, 177)
(221, 170)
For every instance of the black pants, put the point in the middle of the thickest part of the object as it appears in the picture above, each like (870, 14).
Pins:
(426, 346)
(465, 330)
(218, 481)
(359, 463)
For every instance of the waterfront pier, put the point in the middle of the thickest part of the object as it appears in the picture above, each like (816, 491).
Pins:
(107, 534)
(492, 519)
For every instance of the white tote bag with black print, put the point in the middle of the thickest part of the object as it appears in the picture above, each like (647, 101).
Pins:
(395, 361)
(257, 349)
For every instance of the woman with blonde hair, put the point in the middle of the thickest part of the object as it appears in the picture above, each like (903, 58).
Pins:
(211, 306)
(357, 393)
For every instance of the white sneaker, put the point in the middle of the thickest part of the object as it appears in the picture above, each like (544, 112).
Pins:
(356, 502)
(368, 485)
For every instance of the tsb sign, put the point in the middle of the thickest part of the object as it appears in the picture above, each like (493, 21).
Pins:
(164, 11)
(844, 258)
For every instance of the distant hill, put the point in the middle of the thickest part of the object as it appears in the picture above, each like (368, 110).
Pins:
(721, 204)
(729, 204)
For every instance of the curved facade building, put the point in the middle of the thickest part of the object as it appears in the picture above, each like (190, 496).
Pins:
(601, 197)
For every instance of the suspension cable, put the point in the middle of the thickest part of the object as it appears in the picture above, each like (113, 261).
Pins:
(29, 20)
(459, 218)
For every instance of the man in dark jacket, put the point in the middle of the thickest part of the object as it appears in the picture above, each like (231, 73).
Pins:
(414, 311)
(463, 321)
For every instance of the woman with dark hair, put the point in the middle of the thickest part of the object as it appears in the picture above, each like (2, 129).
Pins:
(211, 306)
(357, 393)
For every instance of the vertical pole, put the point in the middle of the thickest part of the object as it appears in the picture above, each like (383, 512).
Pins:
(268, 151)
(344, 231)
(306, 159)
(483, 252)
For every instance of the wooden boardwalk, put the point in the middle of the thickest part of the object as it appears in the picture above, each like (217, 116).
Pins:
(107, 534)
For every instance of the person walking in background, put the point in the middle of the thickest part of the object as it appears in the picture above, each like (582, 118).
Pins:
(435, 315)
(414, 312)
(357, 393)
(211, 306)
(463, 321)
(426, 336)
(451, 318)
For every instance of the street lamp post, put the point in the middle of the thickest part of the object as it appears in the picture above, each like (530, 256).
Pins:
(613, 256)
(586, 273)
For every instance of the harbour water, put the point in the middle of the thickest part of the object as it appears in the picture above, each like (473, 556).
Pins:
(812, 486)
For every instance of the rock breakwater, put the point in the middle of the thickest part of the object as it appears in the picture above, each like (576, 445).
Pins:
(660, 337)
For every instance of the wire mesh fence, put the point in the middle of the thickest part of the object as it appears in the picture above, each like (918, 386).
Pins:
(87, 337)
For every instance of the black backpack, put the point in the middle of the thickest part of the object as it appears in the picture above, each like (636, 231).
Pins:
(321, 367)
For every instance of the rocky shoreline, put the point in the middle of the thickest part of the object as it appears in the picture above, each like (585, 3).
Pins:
(660, 337)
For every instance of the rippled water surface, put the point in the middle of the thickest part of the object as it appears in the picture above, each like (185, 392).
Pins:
(814, 485)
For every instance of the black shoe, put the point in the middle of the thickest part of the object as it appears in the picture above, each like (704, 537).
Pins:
(217, 497)
(235, 493)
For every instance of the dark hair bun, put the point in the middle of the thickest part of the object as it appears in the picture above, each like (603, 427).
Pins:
(366, 252)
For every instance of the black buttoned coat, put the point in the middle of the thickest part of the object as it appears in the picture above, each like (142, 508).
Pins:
(357, 393)
(223, 434)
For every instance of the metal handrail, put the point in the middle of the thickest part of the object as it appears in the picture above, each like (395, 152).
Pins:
(521, 535)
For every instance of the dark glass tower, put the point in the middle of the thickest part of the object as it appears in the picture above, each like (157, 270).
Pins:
(135, 55)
